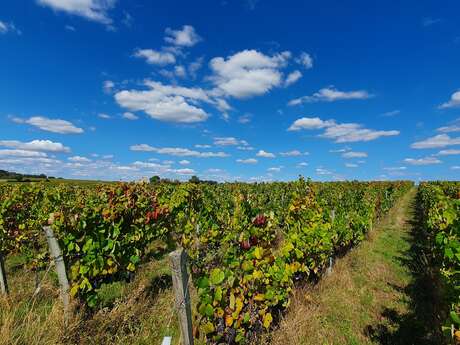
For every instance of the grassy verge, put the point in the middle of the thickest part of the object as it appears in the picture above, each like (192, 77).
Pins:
(139, 312)
(377, 293)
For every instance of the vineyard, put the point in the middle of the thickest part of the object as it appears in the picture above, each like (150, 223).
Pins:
(439, 206)
(249, 245)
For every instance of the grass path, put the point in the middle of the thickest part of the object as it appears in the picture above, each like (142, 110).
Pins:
(375, 295)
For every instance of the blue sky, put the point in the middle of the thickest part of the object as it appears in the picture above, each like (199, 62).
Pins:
(230, 90)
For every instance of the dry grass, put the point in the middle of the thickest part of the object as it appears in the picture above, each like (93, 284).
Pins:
(140, 312)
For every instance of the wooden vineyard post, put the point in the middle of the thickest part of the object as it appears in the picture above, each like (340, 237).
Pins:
(3, 281)
(56, 255)
(178, 261)
(331, 259)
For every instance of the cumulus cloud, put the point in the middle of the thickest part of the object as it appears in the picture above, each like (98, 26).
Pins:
(292, 78)
(177, 151)
(305, 60)
(155, 57)
(274, 169)
(438, 141)
(8, 28)
(35, 145)
(184, 162)
(340, 132)
(248, 73)
(247, 161)
(353, 154)
(302, 165)
(166, 102)
(454, 101)
(185, 37)
(50, 125)
(331, 94)
(265, 154)
(94, 10)
(422, 161)
(244, 119)
(202, 146)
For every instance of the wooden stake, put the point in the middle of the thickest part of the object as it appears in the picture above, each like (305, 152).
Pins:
(178, 261)
(56, 255)
(3, 281)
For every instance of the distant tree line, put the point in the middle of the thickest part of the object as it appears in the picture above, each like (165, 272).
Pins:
(193, 179)
(7, 175)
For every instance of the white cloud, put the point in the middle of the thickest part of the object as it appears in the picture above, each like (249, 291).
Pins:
(229, 141)
(155, 57)
(302, 164)
(35, 145)
(184, 171)
(310, 123)
(21, 153)
(274, 169)
(422, 161)
(51, 125)
(247, 161)
(8, 28)
(331, 94)
(340, 132)
(305, 60)
(455, 167)
(438, 141)
(177, 151)
(184, 162)
(351, 165)
(453, 127)
(292, 78)
(180, 71)
(79, 159)
(200, 146)
(454, 101)
(391, 113)
(448, 152)
(166, 102)
(108, 86)
(247, 73)
(395, 168)
(293, 153)
(186, 37)
(322, 171)
(94, 10)
(245, 148)
(244, 119)
(352, 154)
(104, 116)
(265, 154)
(130, 116)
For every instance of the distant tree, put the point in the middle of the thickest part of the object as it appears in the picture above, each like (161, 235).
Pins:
(194, 179)
(155, 179)
(19, 178)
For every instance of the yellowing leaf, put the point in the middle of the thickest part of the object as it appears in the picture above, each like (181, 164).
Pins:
(267, 320)
(259, 297)
(228, 320)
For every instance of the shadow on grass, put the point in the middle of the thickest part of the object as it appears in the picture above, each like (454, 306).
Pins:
(158, 284)
(421, 324)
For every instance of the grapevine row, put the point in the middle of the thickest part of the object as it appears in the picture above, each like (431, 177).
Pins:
(249, 244)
